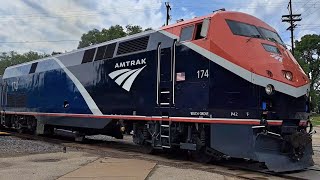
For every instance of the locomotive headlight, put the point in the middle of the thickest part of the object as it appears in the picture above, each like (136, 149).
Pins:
(269, 89)
(288, 75)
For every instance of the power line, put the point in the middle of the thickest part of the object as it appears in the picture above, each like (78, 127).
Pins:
(304, 6)
(311, 13)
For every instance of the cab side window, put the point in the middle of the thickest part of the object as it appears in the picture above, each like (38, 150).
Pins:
(198, 32)
(186, 33)
(195, 32)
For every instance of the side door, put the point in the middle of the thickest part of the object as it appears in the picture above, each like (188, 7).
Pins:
(166, 76)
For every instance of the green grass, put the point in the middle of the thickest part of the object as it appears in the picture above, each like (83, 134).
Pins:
(315, 119)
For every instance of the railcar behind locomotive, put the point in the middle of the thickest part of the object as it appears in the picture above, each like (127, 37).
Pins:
(221, 85)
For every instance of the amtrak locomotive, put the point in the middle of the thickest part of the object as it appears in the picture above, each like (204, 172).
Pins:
(219, 86)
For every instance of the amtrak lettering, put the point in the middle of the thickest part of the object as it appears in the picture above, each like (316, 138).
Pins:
(130, 63)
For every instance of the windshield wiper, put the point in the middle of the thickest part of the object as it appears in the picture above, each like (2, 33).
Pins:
(254, 36)
(272, 39)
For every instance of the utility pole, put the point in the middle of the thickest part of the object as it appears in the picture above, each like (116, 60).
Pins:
(168, 12)
(291, 18)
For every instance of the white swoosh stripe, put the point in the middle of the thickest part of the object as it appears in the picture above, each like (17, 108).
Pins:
(118, 72)
(127, 85)
(120, 79)
(86, 96)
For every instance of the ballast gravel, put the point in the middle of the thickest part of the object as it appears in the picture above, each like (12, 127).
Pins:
(13, 146)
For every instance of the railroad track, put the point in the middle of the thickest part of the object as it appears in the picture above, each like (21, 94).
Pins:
(232, 168)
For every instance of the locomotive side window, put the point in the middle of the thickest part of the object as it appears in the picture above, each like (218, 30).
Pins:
(202, 29)
(100, 52)
(198, 32)
(33, 67)
(88, 55)
(243, 29)
(110, 50)
(186, 33)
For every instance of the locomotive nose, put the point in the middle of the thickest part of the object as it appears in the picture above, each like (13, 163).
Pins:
(285, 68)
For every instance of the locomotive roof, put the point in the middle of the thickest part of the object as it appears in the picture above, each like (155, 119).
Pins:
(89, 47)
(116, 40)
(182, 23)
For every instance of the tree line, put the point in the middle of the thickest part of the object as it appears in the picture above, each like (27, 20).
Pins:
(307, 54)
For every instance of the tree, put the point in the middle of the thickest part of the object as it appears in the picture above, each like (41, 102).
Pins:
(133, 29)
(12, 58)
(307, 53)
(90, 38)
(95, 36)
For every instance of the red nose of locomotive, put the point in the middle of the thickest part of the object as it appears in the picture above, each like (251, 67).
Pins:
(255, 49)
(274, 61)
(248, 47)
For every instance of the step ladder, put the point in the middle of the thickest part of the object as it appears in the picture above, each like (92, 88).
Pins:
(165, 97)
(165, 133)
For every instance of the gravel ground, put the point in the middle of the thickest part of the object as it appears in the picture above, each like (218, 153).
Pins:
(13, 146)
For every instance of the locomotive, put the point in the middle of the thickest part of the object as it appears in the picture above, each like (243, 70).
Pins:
(219, 86)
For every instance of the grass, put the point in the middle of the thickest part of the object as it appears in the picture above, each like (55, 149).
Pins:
(315, 119)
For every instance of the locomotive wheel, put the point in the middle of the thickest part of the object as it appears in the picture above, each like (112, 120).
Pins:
(20, 129)
(201, 156)
(147, 149)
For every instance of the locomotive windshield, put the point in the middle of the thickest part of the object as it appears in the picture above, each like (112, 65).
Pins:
(243, 29)
(271, 36)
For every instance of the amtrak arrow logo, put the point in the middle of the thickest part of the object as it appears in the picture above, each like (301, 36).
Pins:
(126, 77)
(277, 57)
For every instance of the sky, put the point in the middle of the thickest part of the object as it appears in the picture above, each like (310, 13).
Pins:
(57, 25)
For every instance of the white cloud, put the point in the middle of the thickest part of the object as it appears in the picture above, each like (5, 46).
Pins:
(185, 14)
(301, 33)
(32, 20)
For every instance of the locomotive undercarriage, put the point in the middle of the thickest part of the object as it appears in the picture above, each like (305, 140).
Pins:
(20, 123)
(192, 137)
(280, 148)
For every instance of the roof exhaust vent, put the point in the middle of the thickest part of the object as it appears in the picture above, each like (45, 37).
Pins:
(179, 20)
(222, 9)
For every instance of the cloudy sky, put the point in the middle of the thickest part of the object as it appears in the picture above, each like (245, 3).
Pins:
(57, 25)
